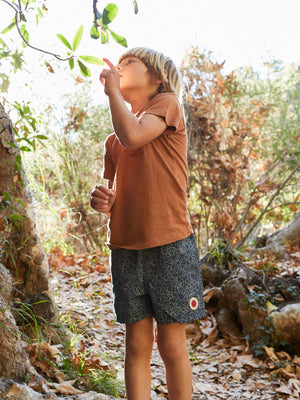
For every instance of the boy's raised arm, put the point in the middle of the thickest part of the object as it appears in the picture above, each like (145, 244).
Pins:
(131, 131)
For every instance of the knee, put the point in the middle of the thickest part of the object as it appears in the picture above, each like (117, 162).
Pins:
(171, 351)
(139, 346)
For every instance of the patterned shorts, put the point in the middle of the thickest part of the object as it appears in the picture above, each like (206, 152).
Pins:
(163, 281)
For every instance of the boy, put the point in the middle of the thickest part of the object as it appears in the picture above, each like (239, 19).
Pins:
(154, 258)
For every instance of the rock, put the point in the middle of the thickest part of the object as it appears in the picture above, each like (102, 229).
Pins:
(6, 282)
(227, 325)
(275, 243)
(14, 362)
(10, 390)
(287, 323)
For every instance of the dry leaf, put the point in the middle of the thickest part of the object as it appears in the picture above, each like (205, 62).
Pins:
(208, 293)
(247, 360)
(236, 375)
(204, 387)
(284, 390)
(39, 386)
(296, 384)
(66, 388)
(271, 353)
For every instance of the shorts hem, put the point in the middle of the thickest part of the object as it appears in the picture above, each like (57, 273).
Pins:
(132, 321)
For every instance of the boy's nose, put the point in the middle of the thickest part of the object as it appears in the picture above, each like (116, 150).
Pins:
(118, 67)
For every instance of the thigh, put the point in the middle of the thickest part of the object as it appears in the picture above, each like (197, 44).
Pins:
(140, 336)
(176, 284)
(130, 300)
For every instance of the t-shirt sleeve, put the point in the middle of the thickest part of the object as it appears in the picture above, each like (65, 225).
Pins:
(166, 105)
(108, 165)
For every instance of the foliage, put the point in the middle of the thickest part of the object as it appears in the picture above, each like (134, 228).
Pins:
(262, 299)
(238, 162)
(36, 9)
(63, 173)
(30, 323)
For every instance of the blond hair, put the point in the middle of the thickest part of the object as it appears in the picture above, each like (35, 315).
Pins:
(159, 67)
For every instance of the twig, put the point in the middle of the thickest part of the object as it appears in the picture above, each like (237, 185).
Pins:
(95, 12)
(19, 12)
(283, 205)
(11, 5)
(242, 241)
(36, 48)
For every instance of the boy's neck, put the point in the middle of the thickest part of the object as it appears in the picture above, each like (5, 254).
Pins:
(138, 101)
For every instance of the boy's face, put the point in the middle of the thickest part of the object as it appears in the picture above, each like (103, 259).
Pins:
(133, 74)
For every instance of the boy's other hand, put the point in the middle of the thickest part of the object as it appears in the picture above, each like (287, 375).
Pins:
(102, 199)
(110, 78)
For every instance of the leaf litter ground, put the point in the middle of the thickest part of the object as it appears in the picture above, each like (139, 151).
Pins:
(221, 370)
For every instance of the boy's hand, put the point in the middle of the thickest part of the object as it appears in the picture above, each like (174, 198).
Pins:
(110, 78)
(102, 199)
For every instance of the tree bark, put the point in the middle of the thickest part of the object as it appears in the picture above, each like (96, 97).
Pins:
(24, 270)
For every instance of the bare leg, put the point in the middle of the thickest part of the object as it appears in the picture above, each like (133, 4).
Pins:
(171, 341)
(139, 345)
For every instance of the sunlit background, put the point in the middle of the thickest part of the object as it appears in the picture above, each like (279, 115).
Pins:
(241, 32)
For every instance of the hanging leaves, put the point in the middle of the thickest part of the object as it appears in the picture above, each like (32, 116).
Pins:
(119, 39)
(83, 69)
(64, 41)
(9, 27)
(77, 38)
(135, 6)
(109, 14)
(100, 27)
(94, 33)
(92, 60)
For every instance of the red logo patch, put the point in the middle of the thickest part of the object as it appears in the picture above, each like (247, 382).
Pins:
(193, 303)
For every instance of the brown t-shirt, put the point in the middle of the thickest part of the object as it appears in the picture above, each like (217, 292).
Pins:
(151, 202)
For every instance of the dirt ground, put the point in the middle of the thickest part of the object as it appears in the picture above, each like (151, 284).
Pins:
(221, 370)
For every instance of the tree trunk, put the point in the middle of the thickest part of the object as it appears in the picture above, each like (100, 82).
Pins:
(24, 270)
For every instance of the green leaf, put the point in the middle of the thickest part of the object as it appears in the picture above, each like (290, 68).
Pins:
(71, 63)
(119, 39)
(24, 148)
(6, 196)
(25, 35)
(42, 137)
(9, 27)
(77, 37)
(38, 16)
(5, 82)
(104, 38)
(92, 60)
(94, 33)
(12, 145)
(109, 13)
(64, 40)
(83, 69)
(135, 5)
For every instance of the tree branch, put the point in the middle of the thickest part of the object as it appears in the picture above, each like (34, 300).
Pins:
(242, 241)
(36, 48)
(95, 11)
(11, 5)
(19, 12)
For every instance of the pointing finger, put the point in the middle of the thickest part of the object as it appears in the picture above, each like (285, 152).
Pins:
(110, 64)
